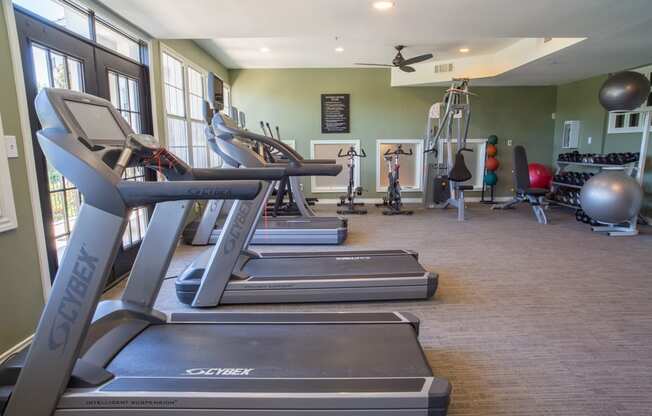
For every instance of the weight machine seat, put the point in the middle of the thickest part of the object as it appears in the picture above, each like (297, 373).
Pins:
(459, 172)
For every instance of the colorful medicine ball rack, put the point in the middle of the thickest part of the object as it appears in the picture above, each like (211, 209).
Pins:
(491, 165)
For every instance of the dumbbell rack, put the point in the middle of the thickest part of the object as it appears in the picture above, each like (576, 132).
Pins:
(563, 166)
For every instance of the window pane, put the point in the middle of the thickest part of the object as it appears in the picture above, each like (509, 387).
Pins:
(113, 88)
(135, 122)
(620, 121)
(195, 82)
(72, 207)
(58, 215)
(408, 173)
(329, 151)
(178, 138)
(54, 178)
(75, 74)
(172, 71)
(124, 94)
(61, 14)
(59, 72)
(133, 95)
(117, 41)
(634, 119)
(41, 67)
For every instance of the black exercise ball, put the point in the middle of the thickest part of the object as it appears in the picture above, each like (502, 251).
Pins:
(624, 91)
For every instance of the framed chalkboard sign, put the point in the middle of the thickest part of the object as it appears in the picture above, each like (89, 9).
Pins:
(335, 113)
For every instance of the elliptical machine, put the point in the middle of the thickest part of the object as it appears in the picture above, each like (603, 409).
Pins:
(392, 201)
(445, 178)
(352, 191)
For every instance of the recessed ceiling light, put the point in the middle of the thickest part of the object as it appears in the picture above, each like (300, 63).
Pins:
(339, 49)
(465, 50)
(264, 49)
(383, 5)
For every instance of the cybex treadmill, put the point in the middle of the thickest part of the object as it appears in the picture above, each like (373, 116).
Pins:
(230, 273)
(125, 358)
(306, 228)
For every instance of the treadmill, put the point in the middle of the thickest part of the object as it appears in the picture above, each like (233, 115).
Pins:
(306, 228)
(125, 358)
(231, 273)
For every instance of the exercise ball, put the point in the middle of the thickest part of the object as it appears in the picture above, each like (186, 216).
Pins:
(540, 175)
(491, 150)
(624, 91)
(490, 178)
(493, 139)
(491, 164)
(611, 197)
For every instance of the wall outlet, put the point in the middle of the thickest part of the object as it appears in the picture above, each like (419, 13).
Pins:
(11, 146)
(589, 139)
(509, 142)
(553, 116)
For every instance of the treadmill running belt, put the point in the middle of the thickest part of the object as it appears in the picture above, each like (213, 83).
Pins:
(274, 351)
(334, 267)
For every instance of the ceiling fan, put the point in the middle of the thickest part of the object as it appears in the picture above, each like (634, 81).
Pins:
(400, 62)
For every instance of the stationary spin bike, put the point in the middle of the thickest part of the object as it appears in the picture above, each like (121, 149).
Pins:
(392, 201)
(348, 200)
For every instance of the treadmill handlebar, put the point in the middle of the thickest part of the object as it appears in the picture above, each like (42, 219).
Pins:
(220, 124)
(137, 194)
(237, 174)
(314, 170)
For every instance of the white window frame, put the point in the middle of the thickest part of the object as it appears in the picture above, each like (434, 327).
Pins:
(418, 155)
(185, 64)
(346, 143)
(8, 219)
(479, 147)
(574, 134)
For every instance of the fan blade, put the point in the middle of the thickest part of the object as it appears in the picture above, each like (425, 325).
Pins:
(405, 68)
(386, 65)
(417, 59)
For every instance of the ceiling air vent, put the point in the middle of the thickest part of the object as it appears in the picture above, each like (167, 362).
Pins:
(441, 68)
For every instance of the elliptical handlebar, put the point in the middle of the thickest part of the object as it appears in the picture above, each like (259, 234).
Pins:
(351, 153)
(399, 151)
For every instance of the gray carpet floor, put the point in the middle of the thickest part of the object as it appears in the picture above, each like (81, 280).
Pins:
(528, 319)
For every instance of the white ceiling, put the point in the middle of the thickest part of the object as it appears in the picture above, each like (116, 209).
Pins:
(302, 33)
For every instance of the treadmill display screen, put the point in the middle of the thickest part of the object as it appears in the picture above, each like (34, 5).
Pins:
(97, 121)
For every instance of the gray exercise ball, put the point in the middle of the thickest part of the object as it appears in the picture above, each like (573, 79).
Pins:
(624, 91)
(611, 197)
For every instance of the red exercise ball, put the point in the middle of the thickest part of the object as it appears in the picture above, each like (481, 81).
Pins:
(491, 164)
(491, 150)
(540, 175)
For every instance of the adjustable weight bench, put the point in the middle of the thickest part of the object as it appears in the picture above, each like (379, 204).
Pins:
(524, 193)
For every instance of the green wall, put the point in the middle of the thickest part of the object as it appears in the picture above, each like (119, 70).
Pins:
(21, 293)
(193, 53)
(291, 99)
(579, 101)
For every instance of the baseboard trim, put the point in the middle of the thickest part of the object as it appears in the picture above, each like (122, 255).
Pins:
(11, 351)
(470, 199)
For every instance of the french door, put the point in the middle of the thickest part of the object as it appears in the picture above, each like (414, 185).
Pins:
(55, 57)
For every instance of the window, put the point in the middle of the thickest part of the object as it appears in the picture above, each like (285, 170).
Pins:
(185, 90)
(71, 16)
(474, 160)
(53, 69)
(116, 40)
(571, 135)
(8, 220)
(328, 149)
(411, 166)
(80, 20)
